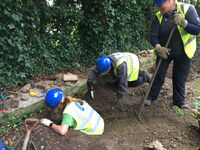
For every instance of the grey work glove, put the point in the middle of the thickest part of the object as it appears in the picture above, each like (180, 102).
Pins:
(46, 122)
(179, 20)
(162, 52)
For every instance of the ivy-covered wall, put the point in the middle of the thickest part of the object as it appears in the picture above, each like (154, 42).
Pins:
(37, 38)
(114, 25)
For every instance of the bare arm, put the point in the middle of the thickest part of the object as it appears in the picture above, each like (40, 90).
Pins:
(60, 129)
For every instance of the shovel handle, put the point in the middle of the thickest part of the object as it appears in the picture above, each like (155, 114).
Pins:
(34, 125)
(154, 75)
(28, 130)
(25, 144)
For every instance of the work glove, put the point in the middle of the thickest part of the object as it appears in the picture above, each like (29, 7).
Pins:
(179, 20)
(46, 122)
(90, 86)
(162, 52)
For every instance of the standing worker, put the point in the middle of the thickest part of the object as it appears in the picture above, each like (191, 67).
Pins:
(182, 46)
(77, 114)
(124, 67)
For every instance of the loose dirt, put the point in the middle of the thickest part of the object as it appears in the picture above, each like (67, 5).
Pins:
(123, 131)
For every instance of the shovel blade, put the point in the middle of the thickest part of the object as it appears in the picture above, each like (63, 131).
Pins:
(92, 94)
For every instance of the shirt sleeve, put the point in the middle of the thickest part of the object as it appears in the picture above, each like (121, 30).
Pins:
(93, 75)
(122, 77)
(193, 19)
(154, 31)
(68, 120)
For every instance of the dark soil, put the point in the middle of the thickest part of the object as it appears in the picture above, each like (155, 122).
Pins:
(123, 131)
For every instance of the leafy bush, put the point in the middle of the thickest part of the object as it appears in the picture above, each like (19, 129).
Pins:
(37, 38)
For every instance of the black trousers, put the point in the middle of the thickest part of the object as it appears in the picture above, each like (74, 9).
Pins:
(180, 73)
(142, 78)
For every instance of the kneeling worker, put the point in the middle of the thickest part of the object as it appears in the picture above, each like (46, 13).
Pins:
(77, 114)
(123, 66)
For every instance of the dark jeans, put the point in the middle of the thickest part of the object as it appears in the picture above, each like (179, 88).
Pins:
(142, 78)
(180, 73)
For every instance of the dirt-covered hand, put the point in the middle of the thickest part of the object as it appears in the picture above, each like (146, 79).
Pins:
(162, 52)
(46, 122)
(179, 20)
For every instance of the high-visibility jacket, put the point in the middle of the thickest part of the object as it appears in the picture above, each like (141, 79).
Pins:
(132, 63)
(189, 40)
(87, 119)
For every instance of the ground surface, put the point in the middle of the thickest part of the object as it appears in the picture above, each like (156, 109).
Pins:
(123, 131)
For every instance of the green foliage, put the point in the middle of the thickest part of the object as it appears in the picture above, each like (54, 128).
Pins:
(198, 85)
(114, 26)
(13, 123)
(197, 148)
(197, 105)
(37, 38)
(179, 111)
(196, 112)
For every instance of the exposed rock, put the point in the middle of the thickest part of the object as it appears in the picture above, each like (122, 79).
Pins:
(44, 84)
(49, 87)
(70, 77)
(155, 145)
(26, 88)
(150, 51)
(58, 83)
(24, 97)
(51, 77)
(14, 103)
(59, 76)
(12, 96)
(68, 83)
(144, 53)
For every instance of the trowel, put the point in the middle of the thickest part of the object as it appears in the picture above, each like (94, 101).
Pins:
(92, 92)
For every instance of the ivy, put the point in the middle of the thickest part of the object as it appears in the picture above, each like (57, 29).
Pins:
(38, 39)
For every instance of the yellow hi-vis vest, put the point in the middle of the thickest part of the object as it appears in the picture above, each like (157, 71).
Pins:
(189, 40)
(132, 63)
(87, 119)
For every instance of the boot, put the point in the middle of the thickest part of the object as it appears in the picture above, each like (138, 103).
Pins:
(148, 102)
(184, 106)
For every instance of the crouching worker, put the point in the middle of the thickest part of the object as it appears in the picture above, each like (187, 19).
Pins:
(122, 66)
(77, 114)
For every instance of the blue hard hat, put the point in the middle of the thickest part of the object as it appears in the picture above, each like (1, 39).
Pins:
(103, 64)
(53, 97)
(158, 2)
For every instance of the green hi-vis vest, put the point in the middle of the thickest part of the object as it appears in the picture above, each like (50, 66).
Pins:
(189, 40)
(132, 63)
(87, 119)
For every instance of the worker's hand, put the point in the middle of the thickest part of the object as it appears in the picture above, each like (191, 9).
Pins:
(46, 122)
(162, 52)
(90, 86)
(179, 20)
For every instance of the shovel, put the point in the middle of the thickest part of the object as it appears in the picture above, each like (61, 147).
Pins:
(153, 77)
(30, 125)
